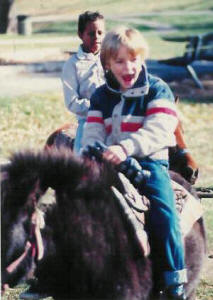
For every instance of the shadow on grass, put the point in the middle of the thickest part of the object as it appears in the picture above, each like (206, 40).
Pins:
(63, 28)
(187, 91)
(195, 26)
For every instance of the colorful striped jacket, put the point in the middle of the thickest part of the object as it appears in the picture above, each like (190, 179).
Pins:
(142, 119)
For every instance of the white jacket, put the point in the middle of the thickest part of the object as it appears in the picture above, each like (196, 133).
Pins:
(142, 119)
(82, 74)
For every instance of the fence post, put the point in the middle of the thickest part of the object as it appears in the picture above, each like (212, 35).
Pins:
(24, 25)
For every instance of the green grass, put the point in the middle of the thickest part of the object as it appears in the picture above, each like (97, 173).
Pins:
(206, 291)
(207, 204)
(64, 28)
(159, 48)
(27, 121)
(107, 6)
(184, 24)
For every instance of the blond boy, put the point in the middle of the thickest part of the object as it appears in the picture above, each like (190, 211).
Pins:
(134, 114)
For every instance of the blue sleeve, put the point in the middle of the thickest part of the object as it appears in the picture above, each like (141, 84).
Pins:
(160, 90)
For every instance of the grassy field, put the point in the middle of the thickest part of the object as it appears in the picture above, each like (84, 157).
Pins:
(121, 7)
(145, 15)
(184, 24)
(26, 121)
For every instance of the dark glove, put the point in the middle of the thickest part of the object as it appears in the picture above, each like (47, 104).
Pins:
(133, 171)
(130, 167)
(95, 151)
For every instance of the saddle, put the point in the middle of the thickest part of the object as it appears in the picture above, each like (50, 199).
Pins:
(135, 207)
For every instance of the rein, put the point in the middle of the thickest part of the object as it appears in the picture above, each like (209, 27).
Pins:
(17, 262)
(34, 243)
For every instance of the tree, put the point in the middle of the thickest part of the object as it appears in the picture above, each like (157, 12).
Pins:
(5, 6)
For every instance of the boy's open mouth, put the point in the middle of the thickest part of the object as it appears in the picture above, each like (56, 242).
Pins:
(128, 77)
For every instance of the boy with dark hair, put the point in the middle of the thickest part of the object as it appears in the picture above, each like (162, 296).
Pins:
(83, 72)
(87, 17)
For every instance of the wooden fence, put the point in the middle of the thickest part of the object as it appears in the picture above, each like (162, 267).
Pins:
(25, 23)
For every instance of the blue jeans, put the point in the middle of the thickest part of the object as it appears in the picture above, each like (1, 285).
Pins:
(78, 137)
(164, 223)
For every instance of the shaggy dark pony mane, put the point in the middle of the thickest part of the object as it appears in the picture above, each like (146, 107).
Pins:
(59, 169)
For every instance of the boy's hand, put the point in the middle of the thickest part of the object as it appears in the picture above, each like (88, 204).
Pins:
(115, 154)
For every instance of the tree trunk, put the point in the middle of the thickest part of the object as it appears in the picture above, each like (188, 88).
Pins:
(5, 6)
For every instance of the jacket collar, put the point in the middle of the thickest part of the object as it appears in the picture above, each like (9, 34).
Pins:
(84, 55)
(140, 88)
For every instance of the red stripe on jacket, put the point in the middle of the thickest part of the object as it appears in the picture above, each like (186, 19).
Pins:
(95, 120)
(156, 110)
(108, 129)
(130, 126)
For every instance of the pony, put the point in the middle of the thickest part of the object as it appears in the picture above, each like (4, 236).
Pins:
(88, 249)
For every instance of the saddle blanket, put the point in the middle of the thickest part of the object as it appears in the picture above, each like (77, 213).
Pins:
(134, 205)
(191, 210)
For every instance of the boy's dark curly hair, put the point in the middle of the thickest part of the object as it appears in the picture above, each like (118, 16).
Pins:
(87, 17)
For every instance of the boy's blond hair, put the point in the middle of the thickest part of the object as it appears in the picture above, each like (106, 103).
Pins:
(129, 37)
